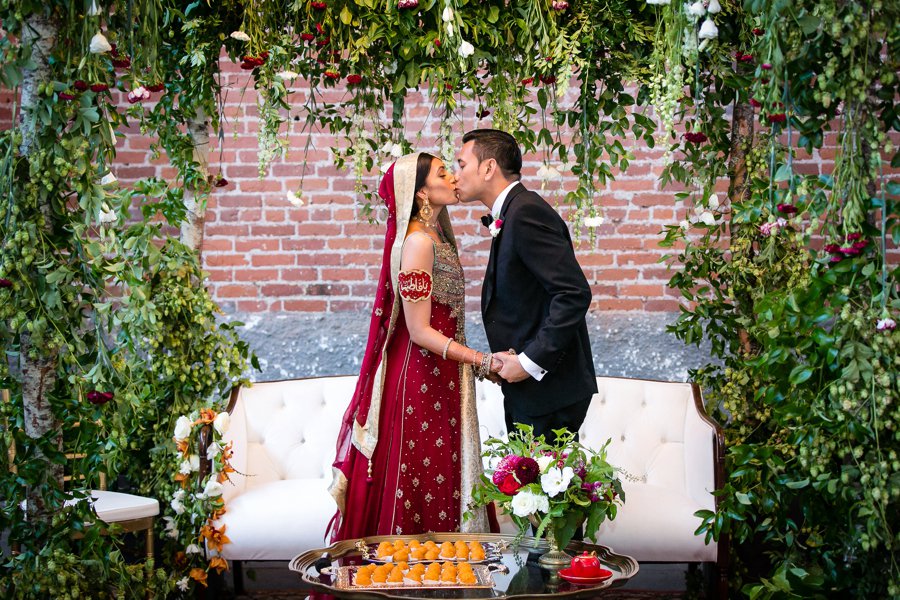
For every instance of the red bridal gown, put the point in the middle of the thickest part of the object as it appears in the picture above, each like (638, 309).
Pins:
(416, 468)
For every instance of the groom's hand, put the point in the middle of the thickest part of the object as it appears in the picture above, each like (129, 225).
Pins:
(512, 370)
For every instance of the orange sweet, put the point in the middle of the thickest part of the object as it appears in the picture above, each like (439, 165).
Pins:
(462, 553)
(432, 554)
(399, 544)
(396, 575)
(384, 549)
(414, 543)
(447, 550)
(380, 576)
(417, 553)
(401, 555)
(467, 578)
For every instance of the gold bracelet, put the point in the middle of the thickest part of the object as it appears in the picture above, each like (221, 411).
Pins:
(446, 347)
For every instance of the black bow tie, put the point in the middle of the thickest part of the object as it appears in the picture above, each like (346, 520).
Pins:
(487, 219)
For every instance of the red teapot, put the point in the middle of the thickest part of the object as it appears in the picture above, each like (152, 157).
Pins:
(586, 565)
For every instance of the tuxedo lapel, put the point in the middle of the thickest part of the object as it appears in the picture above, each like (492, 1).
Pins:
(490, 274)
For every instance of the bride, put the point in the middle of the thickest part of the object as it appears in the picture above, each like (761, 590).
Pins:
(408, 452)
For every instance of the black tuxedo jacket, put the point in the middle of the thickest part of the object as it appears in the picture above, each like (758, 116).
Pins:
(534, 300)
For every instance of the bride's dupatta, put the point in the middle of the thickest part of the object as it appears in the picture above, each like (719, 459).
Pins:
(360, 425)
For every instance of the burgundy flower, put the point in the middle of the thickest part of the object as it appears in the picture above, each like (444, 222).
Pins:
(850, 251)
(755, 103)
(407, 3)
(123, 62)
(758, 32)
(509, 485)
(559, 5)
(548, 79)
(307, 37)
(695, 137)
(80, 85)
(777, 118)
(319, 29)
(788, 209)
(332, 74)
(527, 470)
(354, 79)
(527, 80)
(221, 182)
(746, 58)
(836, 258)
(766, 67)
(448, 87)
(483, 113)
(324, 41)
(437, 42)
(99, 87)
(5, 283)
(66, 96)
(318, 5)
(832, 248)
(99, 398)
(852, 237)
(156, 87)
(860, 245)
(505, 467)
(764, 80)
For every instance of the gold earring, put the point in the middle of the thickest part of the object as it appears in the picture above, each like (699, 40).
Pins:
(425, 210)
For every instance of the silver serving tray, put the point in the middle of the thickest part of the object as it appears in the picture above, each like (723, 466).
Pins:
(492, 553)
(345, 576)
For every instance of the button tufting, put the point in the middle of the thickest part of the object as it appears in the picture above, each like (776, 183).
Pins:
(623, 437)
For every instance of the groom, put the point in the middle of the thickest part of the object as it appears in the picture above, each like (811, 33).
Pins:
(535, 296)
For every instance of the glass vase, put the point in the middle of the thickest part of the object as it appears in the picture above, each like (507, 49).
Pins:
(556, 557)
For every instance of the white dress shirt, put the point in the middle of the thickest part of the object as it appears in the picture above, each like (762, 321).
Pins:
(531, 367)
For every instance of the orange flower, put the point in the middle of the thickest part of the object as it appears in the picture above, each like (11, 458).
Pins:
(180, 559)
(207, 415)
(215, 538)
(218, 563)
(199, 575)
(181, 477)
(182, 447)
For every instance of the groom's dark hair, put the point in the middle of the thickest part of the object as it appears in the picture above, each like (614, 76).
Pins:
(499, 145)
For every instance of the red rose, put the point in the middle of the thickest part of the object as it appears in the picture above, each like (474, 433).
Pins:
(788, 209)
(307, 37)
(527, 80)
(548, 79)
(332, 75)
(695, 137)
(852, 237)
(318, 5)
(80, 85)
(832, 248)
(156, 87)
(755, 103)
(758, 32)
(319, 29)
(354, 79)
(777, 118)
(99, 87)
(221, 182)
(509, 485)
(5, 283)
(850, 251)
(66, 96)
(860, 245)
(121, 63)
(99, 398)
(437, 42)
(324, 41)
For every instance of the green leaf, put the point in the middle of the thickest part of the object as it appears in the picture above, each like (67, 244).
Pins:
(783, 173)
(346, 17)
(809, 24)
(800, 374)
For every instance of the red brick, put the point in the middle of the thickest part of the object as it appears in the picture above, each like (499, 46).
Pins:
(270, 260)
(256, 275)
(261, 244)
(305, 305)
(236, 291)
(617, 304)
(277, 290)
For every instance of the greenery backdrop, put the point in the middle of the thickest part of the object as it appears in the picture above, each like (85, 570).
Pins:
(105, 321)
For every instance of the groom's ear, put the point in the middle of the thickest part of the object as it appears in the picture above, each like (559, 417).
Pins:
(490, 169)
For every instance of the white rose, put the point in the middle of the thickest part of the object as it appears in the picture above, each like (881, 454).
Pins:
(221, 422)
(95, 10)
(524, 503)
(714, 7)
(545, 461)
(287, 75)
(593, 221)
(108, 179)
(183, 584)
(185, 467)
(447, 15)
(240, 36)
(707, 218)
(556, 480)
(685, 224)
(213, 451)
(99, 44)
(696, 9)
(397, 151)
(107, 215)
(713, 201)
(708, 31)
(178, 507)
(213, 488)
(466, 49)
(294, 199)
(192, 549)
(195, 462)
(182, 428)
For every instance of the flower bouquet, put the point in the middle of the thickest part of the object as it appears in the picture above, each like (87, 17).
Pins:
(554, 487)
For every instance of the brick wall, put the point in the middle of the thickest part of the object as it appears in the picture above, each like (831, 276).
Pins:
(264, 255)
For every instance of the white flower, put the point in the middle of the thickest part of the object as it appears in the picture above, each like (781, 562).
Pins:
(546, 173)
(713, 201)
(195, 462)
(707, 218)
(284, 75)
(449, 28)
(556, 480)
(545, 461)
(192, 549)
(185, 467)
(708, 30)
(213, 451)
(391, 68)
(696, 10)
(466, 49)
(95, 10)
(658, 2)
(213, 488)
(684, 224)
(183, 584)
(240, 36)
(447, 15)
(494, 227)
(137, 94)
(107, 215)
(396, 150)
(886, 324)
(221, 422)
(294, 199)
(99, 44)
(182, 428)
(714, 7)
(178, 507)
(593, 221)
(526, 503)
(179, 494)
(108, 179)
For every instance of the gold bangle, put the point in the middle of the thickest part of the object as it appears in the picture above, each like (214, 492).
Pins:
(446, 347)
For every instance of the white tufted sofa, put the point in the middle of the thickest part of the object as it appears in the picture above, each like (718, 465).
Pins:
(284, 436)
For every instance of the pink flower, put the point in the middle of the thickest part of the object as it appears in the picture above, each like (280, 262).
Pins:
(559, 5)
(832, 248)
(5, 283)
(495, 227)
(138, 94)
(886, 324)
(437, 42)
(407, 4)
(788, 209)
(755, 103)
(99, 398)
(850, 251)
(851, 237)
(766, 67)
(505, 467)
